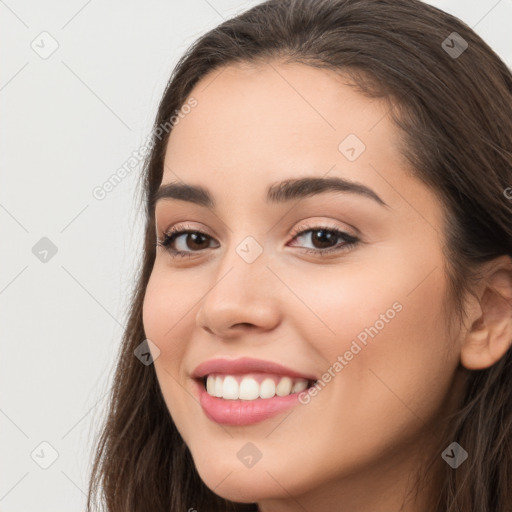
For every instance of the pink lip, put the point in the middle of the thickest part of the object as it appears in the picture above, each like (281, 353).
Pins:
(243, 412)
(245, 365)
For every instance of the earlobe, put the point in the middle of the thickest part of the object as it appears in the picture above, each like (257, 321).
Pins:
(490, 335)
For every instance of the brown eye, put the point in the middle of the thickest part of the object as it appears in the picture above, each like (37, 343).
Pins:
(185, 242)
(195, 241)
(323, 240)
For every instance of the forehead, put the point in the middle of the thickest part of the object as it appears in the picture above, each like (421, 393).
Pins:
(274, 113)
(253, 125)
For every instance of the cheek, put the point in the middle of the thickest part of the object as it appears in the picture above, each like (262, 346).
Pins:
(337, 305)
(388, 342)
(391, 383)
(154, 318)
(161, 313)
(156, 312)
(165, 324)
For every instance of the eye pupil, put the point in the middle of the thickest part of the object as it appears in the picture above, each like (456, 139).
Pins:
(325, 238)
(195, 236)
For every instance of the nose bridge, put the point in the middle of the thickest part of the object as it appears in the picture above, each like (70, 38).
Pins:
(241, 291)
(245, 261)
(242, 275)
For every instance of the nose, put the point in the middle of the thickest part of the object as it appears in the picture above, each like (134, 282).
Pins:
(242, 297)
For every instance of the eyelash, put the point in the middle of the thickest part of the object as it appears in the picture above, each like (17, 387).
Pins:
(176, 231)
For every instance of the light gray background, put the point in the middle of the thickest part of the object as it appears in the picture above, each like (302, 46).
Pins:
(68, 122)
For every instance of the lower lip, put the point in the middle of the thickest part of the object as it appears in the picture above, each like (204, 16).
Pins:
(243, 412)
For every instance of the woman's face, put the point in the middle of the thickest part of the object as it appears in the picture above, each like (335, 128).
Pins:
(272, 279)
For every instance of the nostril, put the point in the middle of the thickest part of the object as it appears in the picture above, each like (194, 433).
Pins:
(243, 324)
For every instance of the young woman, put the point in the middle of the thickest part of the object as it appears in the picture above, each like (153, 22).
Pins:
(323, 315)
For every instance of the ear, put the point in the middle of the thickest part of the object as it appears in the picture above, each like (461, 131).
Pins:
(490, 335)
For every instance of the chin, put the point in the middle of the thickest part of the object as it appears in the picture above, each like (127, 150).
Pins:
(242, 486)
(234, 482)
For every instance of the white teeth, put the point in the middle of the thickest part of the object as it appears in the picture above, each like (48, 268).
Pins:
(267, 388)
(284, 387)
(299, 386)
(228, 387)
(210, 385)
(218, 387)
(249, 389)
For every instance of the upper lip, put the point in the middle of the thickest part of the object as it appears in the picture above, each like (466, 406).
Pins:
(245, 365)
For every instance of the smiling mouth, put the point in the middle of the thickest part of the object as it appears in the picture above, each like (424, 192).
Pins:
(253, 386)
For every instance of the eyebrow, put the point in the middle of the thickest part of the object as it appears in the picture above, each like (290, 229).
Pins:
(276, 193)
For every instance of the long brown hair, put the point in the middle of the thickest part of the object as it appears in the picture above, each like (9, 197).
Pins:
(455, 120)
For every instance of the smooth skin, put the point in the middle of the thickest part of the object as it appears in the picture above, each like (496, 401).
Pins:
(354, 446)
